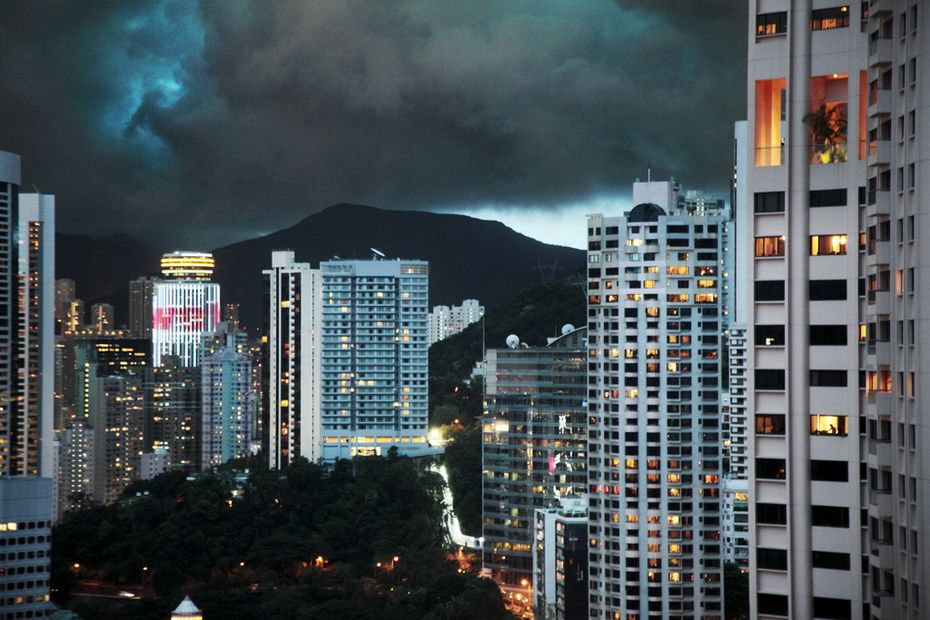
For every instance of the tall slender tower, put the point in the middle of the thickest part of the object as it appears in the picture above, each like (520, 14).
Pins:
(141, 296)
(10, 404)
(654, 397)
(808, 119)
(838, 107)
(27, 350)
(291, 360)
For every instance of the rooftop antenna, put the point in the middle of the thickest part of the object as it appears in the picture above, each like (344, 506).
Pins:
(649, 172)
(376, 254)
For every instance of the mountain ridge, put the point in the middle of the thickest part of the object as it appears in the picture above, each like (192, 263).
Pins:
(469, 257)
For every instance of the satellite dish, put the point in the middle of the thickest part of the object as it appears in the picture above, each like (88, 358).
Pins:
(513, 341)
(567, 329)
(377, 253)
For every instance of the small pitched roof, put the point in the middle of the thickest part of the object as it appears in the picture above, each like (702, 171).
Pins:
(187, 607)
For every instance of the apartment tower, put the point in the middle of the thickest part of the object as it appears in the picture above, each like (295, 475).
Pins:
(375, 367)
(654, 397)
(291, 361)
(837, 93)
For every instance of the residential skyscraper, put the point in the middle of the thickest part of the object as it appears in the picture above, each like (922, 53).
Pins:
(185, 306)
(445, 321)
(654, 396)
(10, 462)
(291, 360)
(173, 411)
(64, 294)
(836, 94)
(27, 350)
(102, 318)
(375, 367)
(141, 297)
(37, 334)
(228, 401)
(560, 560)
(534, 437)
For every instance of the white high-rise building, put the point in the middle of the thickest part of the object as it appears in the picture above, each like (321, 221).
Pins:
(837, 110)
(184, 307)
(227, 397)
(375, 361)
(655, 277)
(445, 321)
(37, 333)
(291, 360)
(27, 372)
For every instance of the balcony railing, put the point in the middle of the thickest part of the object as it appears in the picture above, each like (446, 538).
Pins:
(770, 155)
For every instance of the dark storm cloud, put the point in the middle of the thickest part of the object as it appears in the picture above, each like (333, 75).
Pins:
(204, 123)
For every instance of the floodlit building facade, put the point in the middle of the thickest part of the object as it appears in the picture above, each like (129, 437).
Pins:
(291, 361)
(654, 396)
(375, 365)
(185, 306)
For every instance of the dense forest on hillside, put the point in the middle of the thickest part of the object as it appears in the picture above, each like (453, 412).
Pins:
(365, 540)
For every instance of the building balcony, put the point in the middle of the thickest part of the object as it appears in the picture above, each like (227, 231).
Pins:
(880, 103)
(880, 52)
(879, 153)
(879, 302)
(883, 502)
(879, 354)
(878, 253)
(879, 203)
(883, 551)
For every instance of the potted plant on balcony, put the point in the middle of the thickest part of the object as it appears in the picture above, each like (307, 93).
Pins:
(827, 127)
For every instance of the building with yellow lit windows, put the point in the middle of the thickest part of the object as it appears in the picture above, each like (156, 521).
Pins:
(656, 322)
(374, 357)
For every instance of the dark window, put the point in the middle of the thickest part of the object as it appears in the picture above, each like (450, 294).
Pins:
(770, 424)
(828, 335)
(828, 198)
(770, 335)
(770, 290)
(828, 378)
(769, 202)
(677, 228)
(830, 19)
(830, 471)
(770, 379)
(770, 469)
(770, 24)
(832, 608)
(827, 290)
(775, 559)
(775, 514)
(773, 604)
(828, 559)
(830, 516)
(705, 243)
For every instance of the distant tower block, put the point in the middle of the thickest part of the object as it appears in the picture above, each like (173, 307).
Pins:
(187, 611)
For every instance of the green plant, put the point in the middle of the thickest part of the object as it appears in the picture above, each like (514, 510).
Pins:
(827, 127)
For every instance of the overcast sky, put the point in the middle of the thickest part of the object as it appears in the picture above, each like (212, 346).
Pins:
(200, 124)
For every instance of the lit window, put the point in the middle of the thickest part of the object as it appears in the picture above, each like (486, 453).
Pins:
(829, 425)
(770, 246)
(828, 245)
